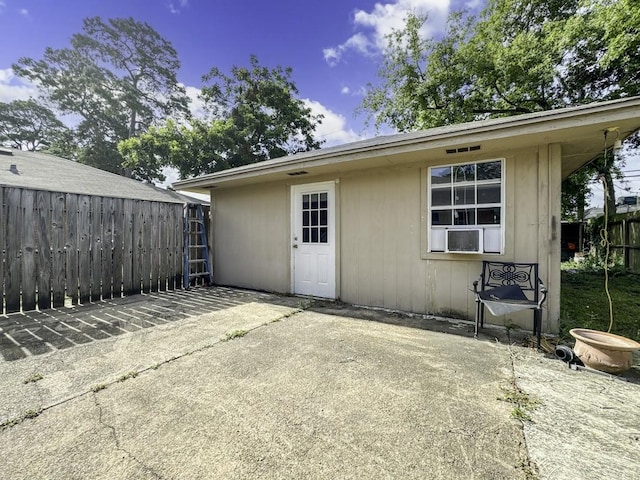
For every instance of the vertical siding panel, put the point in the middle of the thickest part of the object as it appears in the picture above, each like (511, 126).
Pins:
(155, 249)
(348, 279)
(524, 229)
(29, 273)
(84, 247)
(3, 229)
(146, 246)
(72, 247)
(43, 230)
(58, 250)
(363, 233)
(96, 248)
(118, 246)
(391, 235)
(374, 208)
(107, 247)
(13, 254)
(128, 247)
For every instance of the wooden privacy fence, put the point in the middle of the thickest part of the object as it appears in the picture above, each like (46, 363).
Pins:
(624, 236)
(62, 248)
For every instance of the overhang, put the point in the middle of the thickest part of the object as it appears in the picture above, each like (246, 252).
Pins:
(579, 130)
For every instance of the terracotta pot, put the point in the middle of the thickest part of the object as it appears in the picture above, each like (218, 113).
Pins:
(604, 351)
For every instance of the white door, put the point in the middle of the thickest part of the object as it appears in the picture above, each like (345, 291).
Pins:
(313, 239)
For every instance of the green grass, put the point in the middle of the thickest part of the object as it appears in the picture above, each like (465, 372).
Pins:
(584, 304)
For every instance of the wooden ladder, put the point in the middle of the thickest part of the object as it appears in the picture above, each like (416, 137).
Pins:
(197, 268)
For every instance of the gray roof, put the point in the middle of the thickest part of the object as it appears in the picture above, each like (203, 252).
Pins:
(40, 171)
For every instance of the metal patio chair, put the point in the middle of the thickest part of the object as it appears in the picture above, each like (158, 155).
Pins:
(507, 287)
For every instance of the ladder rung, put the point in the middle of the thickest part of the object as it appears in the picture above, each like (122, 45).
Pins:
(201, 274)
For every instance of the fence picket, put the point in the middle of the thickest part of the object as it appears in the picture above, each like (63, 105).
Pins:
(43, 242)
(58, 250)
(71, 246)
(84, 247)
(118, 247)
(14, 251)
(29, 272)
(107, 248)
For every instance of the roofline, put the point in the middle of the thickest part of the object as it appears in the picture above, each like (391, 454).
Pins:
(450, 132)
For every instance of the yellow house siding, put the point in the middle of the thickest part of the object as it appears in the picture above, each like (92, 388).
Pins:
(382, 257)
(251, 237)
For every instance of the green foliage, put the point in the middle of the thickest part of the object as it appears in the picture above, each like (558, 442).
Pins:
(28, 125)
(584, 304)
(516, 57)
(118, 76)
(254, 115)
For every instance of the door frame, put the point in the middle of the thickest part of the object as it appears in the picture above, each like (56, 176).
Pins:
(294, 191)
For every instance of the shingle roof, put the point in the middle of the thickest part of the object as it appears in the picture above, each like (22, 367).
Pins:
(40, 171)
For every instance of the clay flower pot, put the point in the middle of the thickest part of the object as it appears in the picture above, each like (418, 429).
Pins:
(604, 351)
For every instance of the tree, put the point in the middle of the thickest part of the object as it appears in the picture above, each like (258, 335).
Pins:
(517, 57)
(254, 115)
(118, 76)
(27, 125)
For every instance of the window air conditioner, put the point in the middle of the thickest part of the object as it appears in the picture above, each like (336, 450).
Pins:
(464, 241)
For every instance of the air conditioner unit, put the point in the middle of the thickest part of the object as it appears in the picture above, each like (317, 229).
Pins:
(464, 241)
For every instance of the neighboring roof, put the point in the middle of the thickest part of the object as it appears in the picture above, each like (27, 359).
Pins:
(580, 131)
(39, 171)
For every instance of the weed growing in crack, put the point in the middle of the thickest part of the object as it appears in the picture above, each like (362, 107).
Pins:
(232, 335)
(33, 378)
(127, 376)
(97, 388)
(524, 403)
(10, 422)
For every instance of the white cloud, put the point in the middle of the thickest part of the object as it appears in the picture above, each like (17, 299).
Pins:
(345, 90)
(374, 26)
(24, 12)
(196, 106)
(175, 7)
(333, 129)
(14, 88)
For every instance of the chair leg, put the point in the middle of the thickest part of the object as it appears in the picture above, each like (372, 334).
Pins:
(537, 321)
(478, 303)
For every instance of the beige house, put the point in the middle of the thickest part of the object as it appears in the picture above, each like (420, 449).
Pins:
(404, 221)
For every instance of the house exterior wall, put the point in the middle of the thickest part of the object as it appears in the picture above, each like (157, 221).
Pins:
(250, 237)
(382, 236)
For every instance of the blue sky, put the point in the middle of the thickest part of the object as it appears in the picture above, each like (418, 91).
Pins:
(333, 46)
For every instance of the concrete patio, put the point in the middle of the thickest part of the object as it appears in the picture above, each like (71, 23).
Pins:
(225, 383)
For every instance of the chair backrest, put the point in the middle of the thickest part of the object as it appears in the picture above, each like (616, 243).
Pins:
(499, 274)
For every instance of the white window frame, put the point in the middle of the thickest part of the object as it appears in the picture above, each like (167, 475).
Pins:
(493, 241)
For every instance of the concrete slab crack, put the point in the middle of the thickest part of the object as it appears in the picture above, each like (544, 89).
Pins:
(526, 465)
(116, 440)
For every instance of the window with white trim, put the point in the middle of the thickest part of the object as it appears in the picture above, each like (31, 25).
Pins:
(466, 207)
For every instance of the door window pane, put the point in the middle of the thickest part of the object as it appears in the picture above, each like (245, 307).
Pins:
(315, 213)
